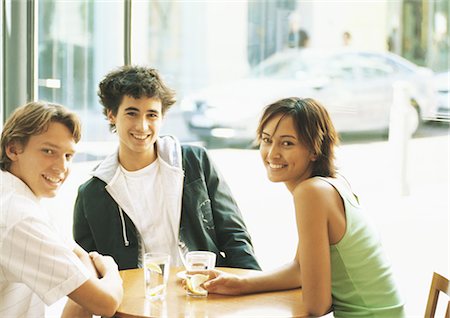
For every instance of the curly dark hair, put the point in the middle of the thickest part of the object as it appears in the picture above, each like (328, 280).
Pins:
(136, 82)
(314, 127)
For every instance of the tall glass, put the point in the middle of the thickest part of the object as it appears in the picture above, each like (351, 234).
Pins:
(156, 275)
(198, 262)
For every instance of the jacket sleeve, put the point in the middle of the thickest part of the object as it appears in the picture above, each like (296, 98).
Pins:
(231, 232)
(81, 230)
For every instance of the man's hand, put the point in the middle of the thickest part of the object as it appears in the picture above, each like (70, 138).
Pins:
(103, 263)
(86, 260)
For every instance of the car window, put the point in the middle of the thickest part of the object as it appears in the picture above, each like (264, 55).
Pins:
(282, 69)
(378, 66)
(372, 67)
(340, 67)
(292, 67)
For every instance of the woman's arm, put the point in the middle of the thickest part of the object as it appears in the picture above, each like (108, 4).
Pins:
(311, 267)
(285, 277)
(315, 201)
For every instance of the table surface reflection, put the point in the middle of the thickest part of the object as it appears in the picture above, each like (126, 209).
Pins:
(177, 304)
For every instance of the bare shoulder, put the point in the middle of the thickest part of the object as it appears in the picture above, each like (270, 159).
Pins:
(314, 188)
(316, 197)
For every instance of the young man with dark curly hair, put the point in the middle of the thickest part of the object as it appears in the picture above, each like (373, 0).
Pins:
(154, 194)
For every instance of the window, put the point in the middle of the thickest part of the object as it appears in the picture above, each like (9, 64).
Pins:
(78, 42)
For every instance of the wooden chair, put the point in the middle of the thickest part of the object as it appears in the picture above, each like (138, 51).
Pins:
(438, 284)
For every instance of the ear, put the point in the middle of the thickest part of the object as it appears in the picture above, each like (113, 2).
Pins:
(13, 149)
(313, 157)
(111, 117)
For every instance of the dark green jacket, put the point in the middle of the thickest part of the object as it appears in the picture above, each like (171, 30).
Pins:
(210, 219)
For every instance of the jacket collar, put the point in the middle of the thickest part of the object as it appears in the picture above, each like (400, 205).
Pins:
(172, 175)
(169, 152)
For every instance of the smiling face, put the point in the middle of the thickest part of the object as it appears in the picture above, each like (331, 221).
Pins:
(44, 162)
(284, 155)
(137, 123)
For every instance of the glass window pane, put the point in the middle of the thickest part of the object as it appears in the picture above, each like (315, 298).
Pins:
(199, 44)
(78, 43)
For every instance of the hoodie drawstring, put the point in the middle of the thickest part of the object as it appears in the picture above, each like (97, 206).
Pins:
(124, 230)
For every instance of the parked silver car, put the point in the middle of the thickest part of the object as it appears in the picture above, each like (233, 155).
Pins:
(355, 86)
(442, 84)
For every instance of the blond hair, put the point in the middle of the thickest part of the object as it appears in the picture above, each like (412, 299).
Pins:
(33, 119)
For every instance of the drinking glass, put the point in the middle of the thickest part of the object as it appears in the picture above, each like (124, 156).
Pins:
(156, 274)
(196, 263)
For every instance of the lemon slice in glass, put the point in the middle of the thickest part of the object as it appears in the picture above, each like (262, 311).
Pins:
(193, 284)
(157, 290)
(154, 267)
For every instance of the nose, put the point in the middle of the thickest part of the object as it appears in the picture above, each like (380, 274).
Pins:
(61, 164)
(274, 152)
(142, 124)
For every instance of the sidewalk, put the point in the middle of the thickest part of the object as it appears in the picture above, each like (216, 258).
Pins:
(414, 229)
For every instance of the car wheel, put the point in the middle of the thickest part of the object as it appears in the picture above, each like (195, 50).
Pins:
(413, 119)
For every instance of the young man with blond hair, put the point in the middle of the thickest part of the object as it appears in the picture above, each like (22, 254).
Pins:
(37, 266)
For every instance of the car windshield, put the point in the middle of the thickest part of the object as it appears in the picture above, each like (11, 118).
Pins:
(287, 67)
(304, 66)
(347, 66)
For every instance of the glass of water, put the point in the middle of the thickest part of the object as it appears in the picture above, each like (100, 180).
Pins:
(156, 275)
(196, 263)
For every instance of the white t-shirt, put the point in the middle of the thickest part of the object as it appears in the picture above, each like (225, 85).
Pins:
(37, 266)
(149, 215)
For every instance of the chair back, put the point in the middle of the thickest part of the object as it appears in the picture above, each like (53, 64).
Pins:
(438, 284)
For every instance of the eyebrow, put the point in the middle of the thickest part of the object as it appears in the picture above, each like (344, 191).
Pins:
(137, 110)
(282, 136)
(288, 136)
(52, 145)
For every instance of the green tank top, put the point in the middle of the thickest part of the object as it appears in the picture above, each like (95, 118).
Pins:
(362, 283)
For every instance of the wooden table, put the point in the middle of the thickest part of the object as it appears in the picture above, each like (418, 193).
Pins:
(178, 304)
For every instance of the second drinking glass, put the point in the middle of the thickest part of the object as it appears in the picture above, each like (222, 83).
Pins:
(196, 263)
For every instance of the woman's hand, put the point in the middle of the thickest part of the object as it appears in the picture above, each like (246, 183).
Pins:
(224, 283)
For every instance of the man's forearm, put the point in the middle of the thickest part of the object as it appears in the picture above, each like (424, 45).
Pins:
(72, 310)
